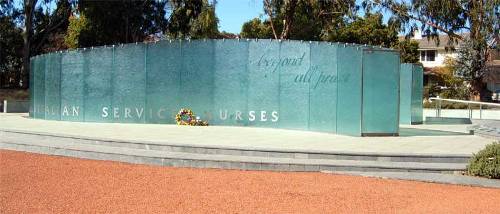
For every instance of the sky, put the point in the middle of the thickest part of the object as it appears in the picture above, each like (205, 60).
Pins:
(233, 13)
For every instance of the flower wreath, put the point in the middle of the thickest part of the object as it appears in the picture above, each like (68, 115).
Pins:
(187, 117)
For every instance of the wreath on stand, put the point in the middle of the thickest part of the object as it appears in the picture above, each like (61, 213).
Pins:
(186, 117)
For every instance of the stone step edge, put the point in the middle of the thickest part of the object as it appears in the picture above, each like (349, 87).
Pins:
(456, 178)
(139, 153)
(256, 149)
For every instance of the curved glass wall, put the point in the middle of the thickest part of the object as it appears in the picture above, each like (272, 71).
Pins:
(318, 86)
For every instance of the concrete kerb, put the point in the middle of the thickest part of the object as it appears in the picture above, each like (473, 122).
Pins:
(213, 161)
(438, 178)
(410, 175)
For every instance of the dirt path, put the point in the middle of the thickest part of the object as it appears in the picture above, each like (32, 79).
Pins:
(32, 183)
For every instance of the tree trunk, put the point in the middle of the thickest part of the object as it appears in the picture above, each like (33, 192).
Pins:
(289, 17)
(478, 89)
(269, 10)
(29, 6)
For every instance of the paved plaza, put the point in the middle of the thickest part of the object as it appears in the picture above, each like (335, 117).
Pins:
(417, 139)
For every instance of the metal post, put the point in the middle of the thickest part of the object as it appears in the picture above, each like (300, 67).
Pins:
(436, 107)
(5, 106)
(439, 108)
(480, 111)
(470, 110)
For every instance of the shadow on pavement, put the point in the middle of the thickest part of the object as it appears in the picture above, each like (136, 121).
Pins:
(410, 132)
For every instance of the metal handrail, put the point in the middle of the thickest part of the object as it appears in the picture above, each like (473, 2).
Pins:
(438, 105)
(466, 101)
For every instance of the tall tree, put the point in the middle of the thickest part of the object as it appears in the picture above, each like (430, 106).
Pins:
(11, 45)
(288, 18)
(368, 30)
(471, 63)
(182, 14)
(49, 27)
(408, 50)
(372, 31)
(257, 29)
(205, 25)
(112, 22)
(478, 17)
(39, 25)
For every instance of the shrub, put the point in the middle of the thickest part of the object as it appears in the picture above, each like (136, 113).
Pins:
(451, 105)
(486, 163)
(431, 90)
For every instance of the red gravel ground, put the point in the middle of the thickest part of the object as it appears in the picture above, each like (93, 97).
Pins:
(33, 183)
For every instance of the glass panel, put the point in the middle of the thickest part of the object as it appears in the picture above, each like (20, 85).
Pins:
(129, 84)
(323, 80)
(294, 62)
(231, 82)
(163, 69)
(33, 67)
(263, 82)
(417, 94)
(39, 85)
(380, 92)
(52, 87)
(197, 78)
(98, 90)
(405, 93)
(349, 90)
(72, 86)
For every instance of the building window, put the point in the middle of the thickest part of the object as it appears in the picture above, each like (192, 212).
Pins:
(428, 55)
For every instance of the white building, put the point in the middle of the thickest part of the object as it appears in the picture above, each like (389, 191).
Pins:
(434, 53)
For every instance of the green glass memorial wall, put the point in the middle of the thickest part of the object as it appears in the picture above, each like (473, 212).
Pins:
(411, 94)
(318, 86)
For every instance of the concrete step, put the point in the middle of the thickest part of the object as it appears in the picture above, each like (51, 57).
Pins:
(14, 136)
(182, 159)
(447, 120)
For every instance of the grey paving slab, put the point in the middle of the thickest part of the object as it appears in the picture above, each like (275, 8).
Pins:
(420, 139)
(487, 128)
(16, 137)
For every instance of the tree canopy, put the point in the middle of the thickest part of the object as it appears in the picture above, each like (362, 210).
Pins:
(479, 18)
(205, 25)
(124, 22)
(11, 46)
(369, 29)
(84, 23)
(255, 28)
